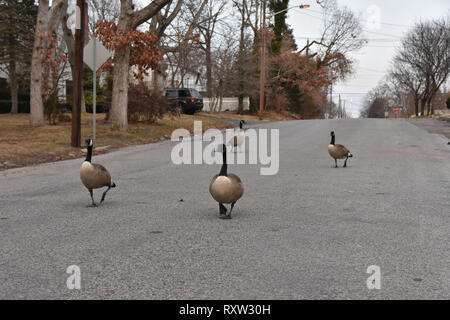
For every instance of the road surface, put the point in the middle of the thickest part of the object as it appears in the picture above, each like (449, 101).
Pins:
(309, 232)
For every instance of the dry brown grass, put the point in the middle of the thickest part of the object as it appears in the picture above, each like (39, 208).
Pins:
(268, 116)
(22, 145)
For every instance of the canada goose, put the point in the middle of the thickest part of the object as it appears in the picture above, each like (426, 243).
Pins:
(338, 151)
(226, 187)
(94, 175)
(238, 139)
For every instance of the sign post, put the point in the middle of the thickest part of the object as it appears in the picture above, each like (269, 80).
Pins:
(396, 111)
(95, 55)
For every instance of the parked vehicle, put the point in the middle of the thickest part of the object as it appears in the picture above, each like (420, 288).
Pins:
(190, 99)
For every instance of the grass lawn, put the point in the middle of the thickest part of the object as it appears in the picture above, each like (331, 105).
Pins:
(23, 145)
(268, 116)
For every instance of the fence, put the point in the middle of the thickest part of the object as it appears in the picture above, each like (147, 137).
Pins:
(228, 104)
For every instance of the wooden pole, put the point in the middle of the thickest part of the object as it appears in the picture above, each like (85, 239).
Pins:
(331, 100)
(339, 108)
(263, 56)
(78, 75)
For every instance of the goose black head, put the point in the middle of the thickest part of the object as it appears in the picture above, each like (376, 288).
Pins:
(332, 137)
(89, 142)
(241, 123)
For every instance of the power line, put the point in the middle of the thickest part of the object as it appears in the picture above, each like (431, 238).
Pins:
(374, 32)
(367, 39)
(386, 23)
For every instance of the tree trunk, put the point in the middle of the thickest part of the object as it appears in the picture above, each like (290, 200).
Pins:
(119, 103)
(13, 85)
(208, 67)
(241, 64)
(416, 107)
(422, 107)
(36, 105)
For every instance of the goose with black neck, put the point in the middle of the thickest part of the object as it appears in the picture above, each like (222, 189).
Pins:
(226, 188)
(94, 175)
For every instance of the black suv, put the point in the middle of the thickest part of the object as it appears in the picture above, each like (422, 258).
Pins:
(190, 99)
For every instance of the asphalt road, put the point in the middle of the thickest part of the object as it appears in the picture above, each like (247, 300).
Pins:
(311, 231)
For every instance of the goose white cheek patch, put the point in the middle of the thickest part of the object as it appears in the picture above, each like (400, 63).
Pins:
(263, 149)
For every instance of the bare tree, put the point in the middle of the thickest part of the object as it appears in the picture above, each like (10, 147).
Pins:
(406, 79)
(178, 45)
(425, 57)
(103, 10)
(342, 33)
(129, 19)
(207, 27)
(46, 26)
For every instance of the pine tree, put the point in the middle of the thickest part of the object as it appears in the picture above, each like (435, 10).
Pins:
(280, 27)
(17, 22)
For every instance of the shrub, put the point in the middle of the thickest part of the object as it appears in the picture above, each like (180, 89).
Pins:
(52, 108)
(448, 103)
(145, 105)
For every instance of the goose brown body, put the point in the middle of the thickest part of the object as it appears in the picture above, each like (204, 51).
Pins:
(94, 175)
(338, 151)
(238, 139)
(226, 189)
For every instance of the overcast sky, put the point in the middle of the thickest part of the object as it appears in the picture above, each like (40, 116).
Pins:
(384, 22)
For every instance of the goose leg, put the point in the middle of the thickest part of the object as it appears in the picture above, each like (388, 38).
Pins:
(104, 194)
(345, 163)
(223, 212)
(229, 214)
(335, 161)
(92, 197)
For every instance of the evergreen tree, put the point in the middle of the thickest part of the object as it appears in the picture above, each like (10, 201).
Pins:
(280, 27)
(17, 21)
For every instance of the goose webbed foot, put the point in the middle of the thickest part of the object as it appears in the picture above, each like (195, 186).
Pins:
(225, 216)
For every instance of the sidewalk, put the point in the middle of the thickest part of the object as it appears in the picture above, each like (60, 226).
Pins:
(433, 125)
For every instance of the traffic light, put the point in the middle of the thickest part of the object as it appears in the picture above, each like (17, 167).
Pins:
(304, 6)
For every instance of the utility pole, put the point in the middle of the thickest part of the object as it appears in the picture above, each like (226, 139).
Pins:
(344, 112)
(339, 108)
(331, 100)
(263, 56)
(78, 75)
